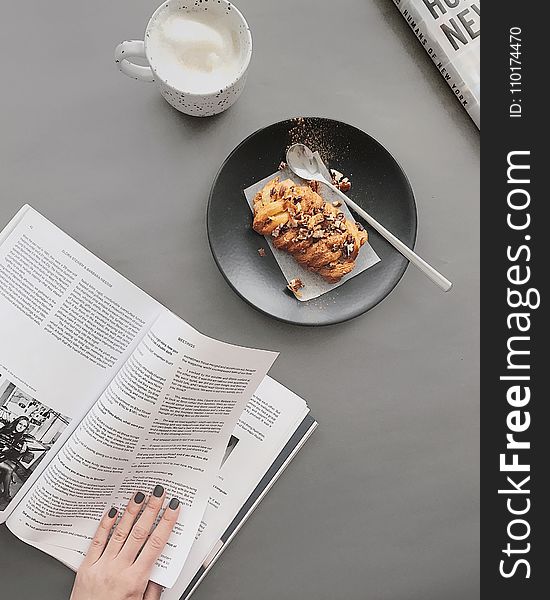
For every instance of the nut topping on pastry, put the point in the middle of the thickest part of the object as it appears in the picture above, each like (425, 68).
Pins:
(315, 232)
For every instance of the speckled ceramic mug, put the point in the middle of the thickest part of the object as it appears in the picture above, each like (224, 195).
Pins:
(196, 104)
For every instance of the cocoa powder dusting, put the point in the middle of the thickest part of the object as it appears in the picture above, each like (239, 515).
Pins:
(312, 134)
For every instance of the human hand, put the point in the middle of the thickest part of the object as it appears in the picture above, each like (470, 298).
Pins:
(119, 568)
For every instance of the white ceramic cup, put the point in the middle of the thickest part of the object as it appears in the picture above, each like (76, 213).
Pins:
(204, 104)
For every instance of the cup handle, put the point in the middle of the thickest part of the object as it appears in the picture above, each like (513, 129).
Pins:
(129, 49)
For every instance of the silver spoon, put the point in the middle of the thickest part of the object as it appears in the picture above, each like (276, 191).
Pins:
(304, 163)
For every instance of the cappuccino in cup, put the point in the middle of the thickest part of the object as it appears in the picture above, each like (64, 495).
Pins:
(197, 55)
(196, 52)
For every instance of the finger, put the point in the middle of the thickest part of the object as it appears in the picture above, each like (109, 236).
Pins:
(101, 536)
(124, 526)
(159, 536)
(142, 527)
(153, 591)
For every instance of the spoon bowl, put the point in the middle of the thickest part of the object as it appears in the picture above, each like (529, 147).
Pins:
(302, 161)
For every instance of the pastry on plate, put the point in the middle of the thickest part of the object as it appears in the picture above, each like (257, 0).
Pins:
(316, 233)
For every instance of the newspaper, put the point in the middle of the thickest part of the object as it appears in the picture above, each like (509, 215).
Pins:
(449, 31)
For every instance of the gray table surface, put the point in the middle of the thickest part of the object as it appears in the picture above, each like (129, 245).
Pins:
(382, 503)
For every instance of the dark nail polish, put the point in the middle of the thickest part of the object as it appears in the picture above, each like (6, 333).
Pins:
(112, 513)
(158, 491)
(174, 503)
(139, 498)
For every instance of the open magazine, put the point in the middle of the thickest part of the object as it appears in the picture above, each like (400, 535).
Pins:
(103, 392)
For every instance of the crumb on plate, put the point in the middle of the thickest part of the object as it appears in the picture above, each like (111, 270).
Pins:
(340, 181)
(295, 285)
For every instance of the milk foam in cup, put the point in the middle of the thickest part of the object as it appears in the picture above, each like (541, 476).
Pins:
(197, 55)
(196, 52)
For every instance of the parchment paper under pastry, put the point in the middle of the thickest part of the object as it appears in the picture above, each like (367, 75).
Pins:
(314, 284)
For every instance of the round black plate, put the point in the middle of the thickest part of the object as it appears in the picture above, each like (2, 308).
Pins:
(379, 185)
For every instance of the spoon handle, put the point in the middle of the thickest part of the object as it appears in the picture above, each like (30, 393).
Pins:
(427, 269)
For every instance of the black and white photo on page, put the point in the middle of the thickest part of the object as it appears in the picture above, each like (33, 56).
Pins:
(28, 429)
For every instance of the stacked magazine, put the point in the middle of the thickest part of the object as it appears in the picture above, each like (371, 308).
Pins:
(449, 31)
(104, 392)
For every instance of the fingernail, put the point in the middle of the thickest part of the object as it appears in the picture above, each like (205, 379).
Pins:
(174, 503)
(139, 498)
(158, 491)
(112, 513)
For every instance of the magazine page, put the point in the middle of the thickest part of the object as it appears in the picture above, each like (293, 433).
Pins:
(267, 423)
(300, 436)
(265, 426)
(67, 323)
(164, 419)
